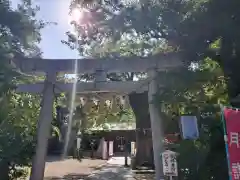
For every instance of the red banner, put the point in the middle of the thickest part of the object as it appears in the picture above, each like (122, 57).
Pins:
(232, 118)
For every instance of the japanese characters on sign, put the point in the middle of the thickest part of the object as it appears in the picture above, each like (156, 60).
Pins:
(166, 163)
(173, 160)
(235, 170)
(169, 161)
(232, 118)
(234, 139)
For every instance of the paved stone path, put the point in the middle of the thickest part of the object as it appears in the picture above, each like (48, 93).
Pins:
(114, 170)
(71, 169)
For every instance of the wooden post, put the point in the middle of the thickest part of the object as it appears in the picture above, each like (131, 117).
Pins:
(156, 126)
(92, 143)
(126, 153)
(44, 127)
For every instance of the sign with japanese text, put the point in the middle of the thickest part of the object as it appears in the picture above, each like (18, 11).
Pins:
(232, 118)
(169, 160)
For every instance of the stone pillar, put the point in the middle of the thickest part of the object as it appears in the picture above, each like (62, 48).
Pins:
(44, 127)
(156, 126)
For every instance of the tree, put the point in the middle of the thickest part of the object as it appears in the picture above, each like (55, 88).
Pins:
(200, 92)
(19, 35)
(219, 41)
(176, 25)
(18, 130)
(180, 24)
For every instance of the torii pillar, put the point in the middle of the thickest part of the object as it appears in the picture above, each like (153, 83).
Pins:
(44, 127)
(156, 125)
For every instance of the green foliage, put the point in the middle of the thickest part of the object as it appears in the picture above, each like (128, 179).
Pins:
(187, 27)
(188, 87)
(18, 128)
(200, 91)
(96, 116)
(19, 35)
(203, 31)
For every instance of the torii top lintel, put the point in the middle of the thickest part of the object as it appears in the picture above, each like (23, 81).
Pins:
(88, 65)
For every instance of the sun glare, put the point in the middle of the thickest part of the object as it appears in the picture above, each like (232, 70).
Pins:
(76, 15)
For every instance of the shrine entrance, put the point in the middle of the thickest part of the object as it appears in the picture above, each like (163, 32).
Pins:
(119, 144)
(100, 68)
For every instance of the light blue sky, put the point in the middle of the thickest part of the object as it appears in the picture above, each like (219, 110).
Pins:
(55, 11)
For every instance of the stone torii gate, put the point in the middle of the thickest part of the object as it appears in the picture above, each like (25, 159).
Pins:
(100, 67)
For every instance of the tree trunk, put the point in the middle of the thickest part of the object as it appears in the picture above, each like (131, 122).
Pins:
(139, 104)
(4, 167)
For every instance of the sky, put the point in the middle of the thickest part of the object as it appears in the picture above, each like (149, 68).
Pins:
(54, 11)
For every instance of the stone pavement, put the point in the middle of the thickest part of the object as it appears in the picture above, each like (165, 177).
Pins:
(114, 170)
(71, 169)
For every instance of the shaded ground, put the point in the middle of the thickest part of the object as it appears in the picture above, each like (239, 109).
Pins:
(118, 172)
(70, 168)
(88, 169)
(114, 170)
